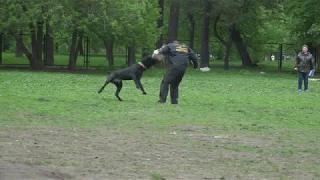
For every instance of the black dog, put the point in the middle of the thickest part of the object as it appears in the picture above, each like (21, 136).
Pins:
(133, 72)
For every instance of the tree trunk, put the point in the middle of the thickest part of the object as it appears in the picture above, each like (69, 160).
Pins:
(109, 51)
(29, 55)
(34, 48)
(311, 48)
(73, 47)
(205, 36)
(228, 44)
(1, 47)
(160, 23)
(6, 45)
(159, 43)
(173, 21)
(81, 51)
(25, 51)
(131, 55)
(49, 46)
(228, 52)
(35, 63)
(79, 46)
(192, 30)
(241, 48)
(316, 55)
(56, 47)
(39, 41)
(19, 52)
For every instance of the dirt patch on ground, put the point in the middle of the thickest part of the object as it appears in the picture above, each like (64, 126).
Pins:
(102, 153)
(16, 171)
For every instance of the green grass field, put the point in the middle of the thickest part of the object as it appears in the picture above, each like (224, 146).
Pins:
(235, 124)
(120, 61)
(62, 60)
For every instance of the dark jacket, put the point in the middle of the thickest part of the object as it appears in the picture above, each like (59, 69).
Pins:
(179, 54)
(304, 62)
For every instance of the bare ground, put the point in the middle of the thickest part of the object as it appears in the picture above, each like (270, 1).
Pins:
(179, 153)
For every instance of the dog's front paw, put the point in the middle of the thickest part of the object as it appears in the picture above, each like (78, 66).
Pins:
(137, 87)
(144, 93)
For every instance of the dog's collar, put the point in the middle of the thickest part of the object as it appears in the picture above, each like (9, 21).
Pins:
(142, 65)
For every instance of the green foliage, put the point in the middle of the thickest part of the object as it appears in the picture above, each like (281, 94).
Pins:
(260, 23)
(127, 22)
(16, 15)
(302, 20)
(122, 20)
(141, 24)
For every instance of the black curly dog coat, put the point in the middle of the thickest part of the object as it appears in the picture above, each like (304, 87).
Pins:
(133, 72)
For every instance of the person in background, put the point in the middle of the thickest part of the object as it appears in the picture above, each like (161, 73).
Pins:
(178, 55)
(272, 57)
(304, 63)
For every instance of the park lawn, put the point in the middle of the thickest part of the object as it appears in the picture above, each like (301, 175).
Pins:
(236, 124)
(98, 60)
(62, 60)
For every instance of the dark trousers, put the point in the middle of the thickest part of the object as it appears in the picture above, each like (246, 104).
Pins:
(303, 77)
(173, 78)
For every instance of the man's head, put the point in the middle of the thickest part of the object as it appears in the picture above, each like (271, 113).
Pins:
(305, 48)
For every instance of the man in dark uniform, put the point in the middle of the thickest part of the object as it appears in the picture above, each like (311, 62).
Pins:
(178, 55)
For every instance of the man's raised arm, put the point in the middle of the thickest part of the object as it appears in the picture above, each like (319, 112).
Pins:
(163, 50)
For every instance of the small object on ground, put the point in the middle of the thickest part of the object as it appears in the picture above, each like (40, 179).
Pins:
(217, 137)
(205, 69)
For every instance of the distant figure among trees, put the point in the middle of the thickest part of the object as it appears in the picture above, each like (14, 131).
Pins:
(272, 57)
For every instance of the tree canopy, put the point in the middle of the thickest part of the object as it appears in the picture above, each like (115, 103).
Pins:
(210, 27)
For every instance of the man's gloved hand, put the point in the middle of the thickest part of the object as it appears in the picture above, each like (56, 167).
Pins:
(155, 52)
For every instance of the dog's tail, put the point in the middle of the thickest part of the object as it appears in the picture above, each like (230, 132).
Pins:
(102, 88)
(109, 79)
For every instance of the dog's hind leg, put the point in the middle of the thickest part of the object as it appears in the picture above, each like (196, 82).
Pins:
(109, 79)
(119, 87)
